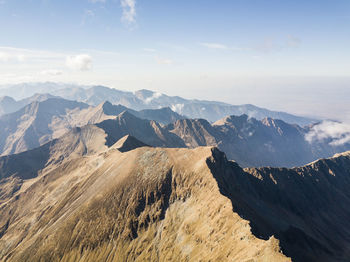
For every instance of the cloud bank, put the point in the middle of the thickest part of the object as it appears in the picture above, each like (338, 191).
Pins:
(337, 133)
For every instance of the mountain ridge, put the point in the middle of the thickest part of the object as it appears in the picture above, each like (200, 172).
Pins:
(147, 99)
(153, 188)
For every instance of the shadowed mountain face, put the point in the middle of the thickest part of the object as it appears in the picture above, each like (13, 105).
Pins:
(149, 132)
(128, 143)
(174, 204)
(162, 115)
(306, 208)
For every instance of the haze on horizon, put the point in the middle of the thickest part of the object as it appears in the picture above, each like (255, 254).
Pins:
(284, 55)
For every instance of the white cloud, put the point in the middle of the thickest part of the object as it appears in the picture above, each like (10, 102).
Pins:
(51, 72)
(224, 47)
(154, 96)
(82, 62)
(214, 45)
(129, 11)
(177, 108)
(335, 132)
(164, 61)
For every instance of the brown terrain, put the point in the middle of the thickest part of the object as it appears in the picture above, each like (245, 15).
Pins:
(86, 202)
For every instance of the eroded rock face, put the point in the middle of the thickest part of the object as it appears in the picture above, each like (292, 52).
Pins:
(148, 204)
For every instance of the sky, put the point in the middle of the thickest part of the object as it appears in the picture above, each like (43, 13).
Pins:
(289, 55)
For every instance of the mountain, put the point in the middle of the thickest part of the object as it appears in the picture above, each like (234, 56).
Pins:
(36, 124)
(24, 90)
(162, 115)
(175, 204)
(128, 143)
(146, 99)
(252, 142)
(39, 122)
(297, 206)
(147, 131)
(246, 140)
(9, 105)
(145, 204)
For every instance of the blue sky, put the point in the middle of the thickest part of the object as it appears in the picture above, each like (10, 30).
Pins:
(236, 51)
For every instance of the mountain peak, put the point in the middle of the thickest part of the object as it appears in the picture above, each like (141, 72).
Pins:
(231, 119)
(126, 115)
(7, 99)
(128, 143)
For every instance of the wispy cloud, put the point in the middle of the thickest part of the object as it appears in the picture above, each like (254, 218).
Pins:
(268, 45)
(334, 133)
(214, 45)
(82, 62)
(220, 46)
(129, 11)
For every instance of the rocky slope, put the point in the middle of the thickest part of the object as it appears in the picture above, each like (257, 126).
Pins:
(158, 204)
(36, 124)
(142, 205)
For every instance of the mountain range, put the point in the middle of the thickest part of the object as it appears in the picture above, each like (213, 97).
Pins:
(248, 141)
(146, 99)
(39, 122)
(98, 174)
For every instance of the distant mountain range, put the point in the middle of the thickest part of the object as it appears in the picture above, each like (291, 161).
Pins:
(248, 141)
(146, 99)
